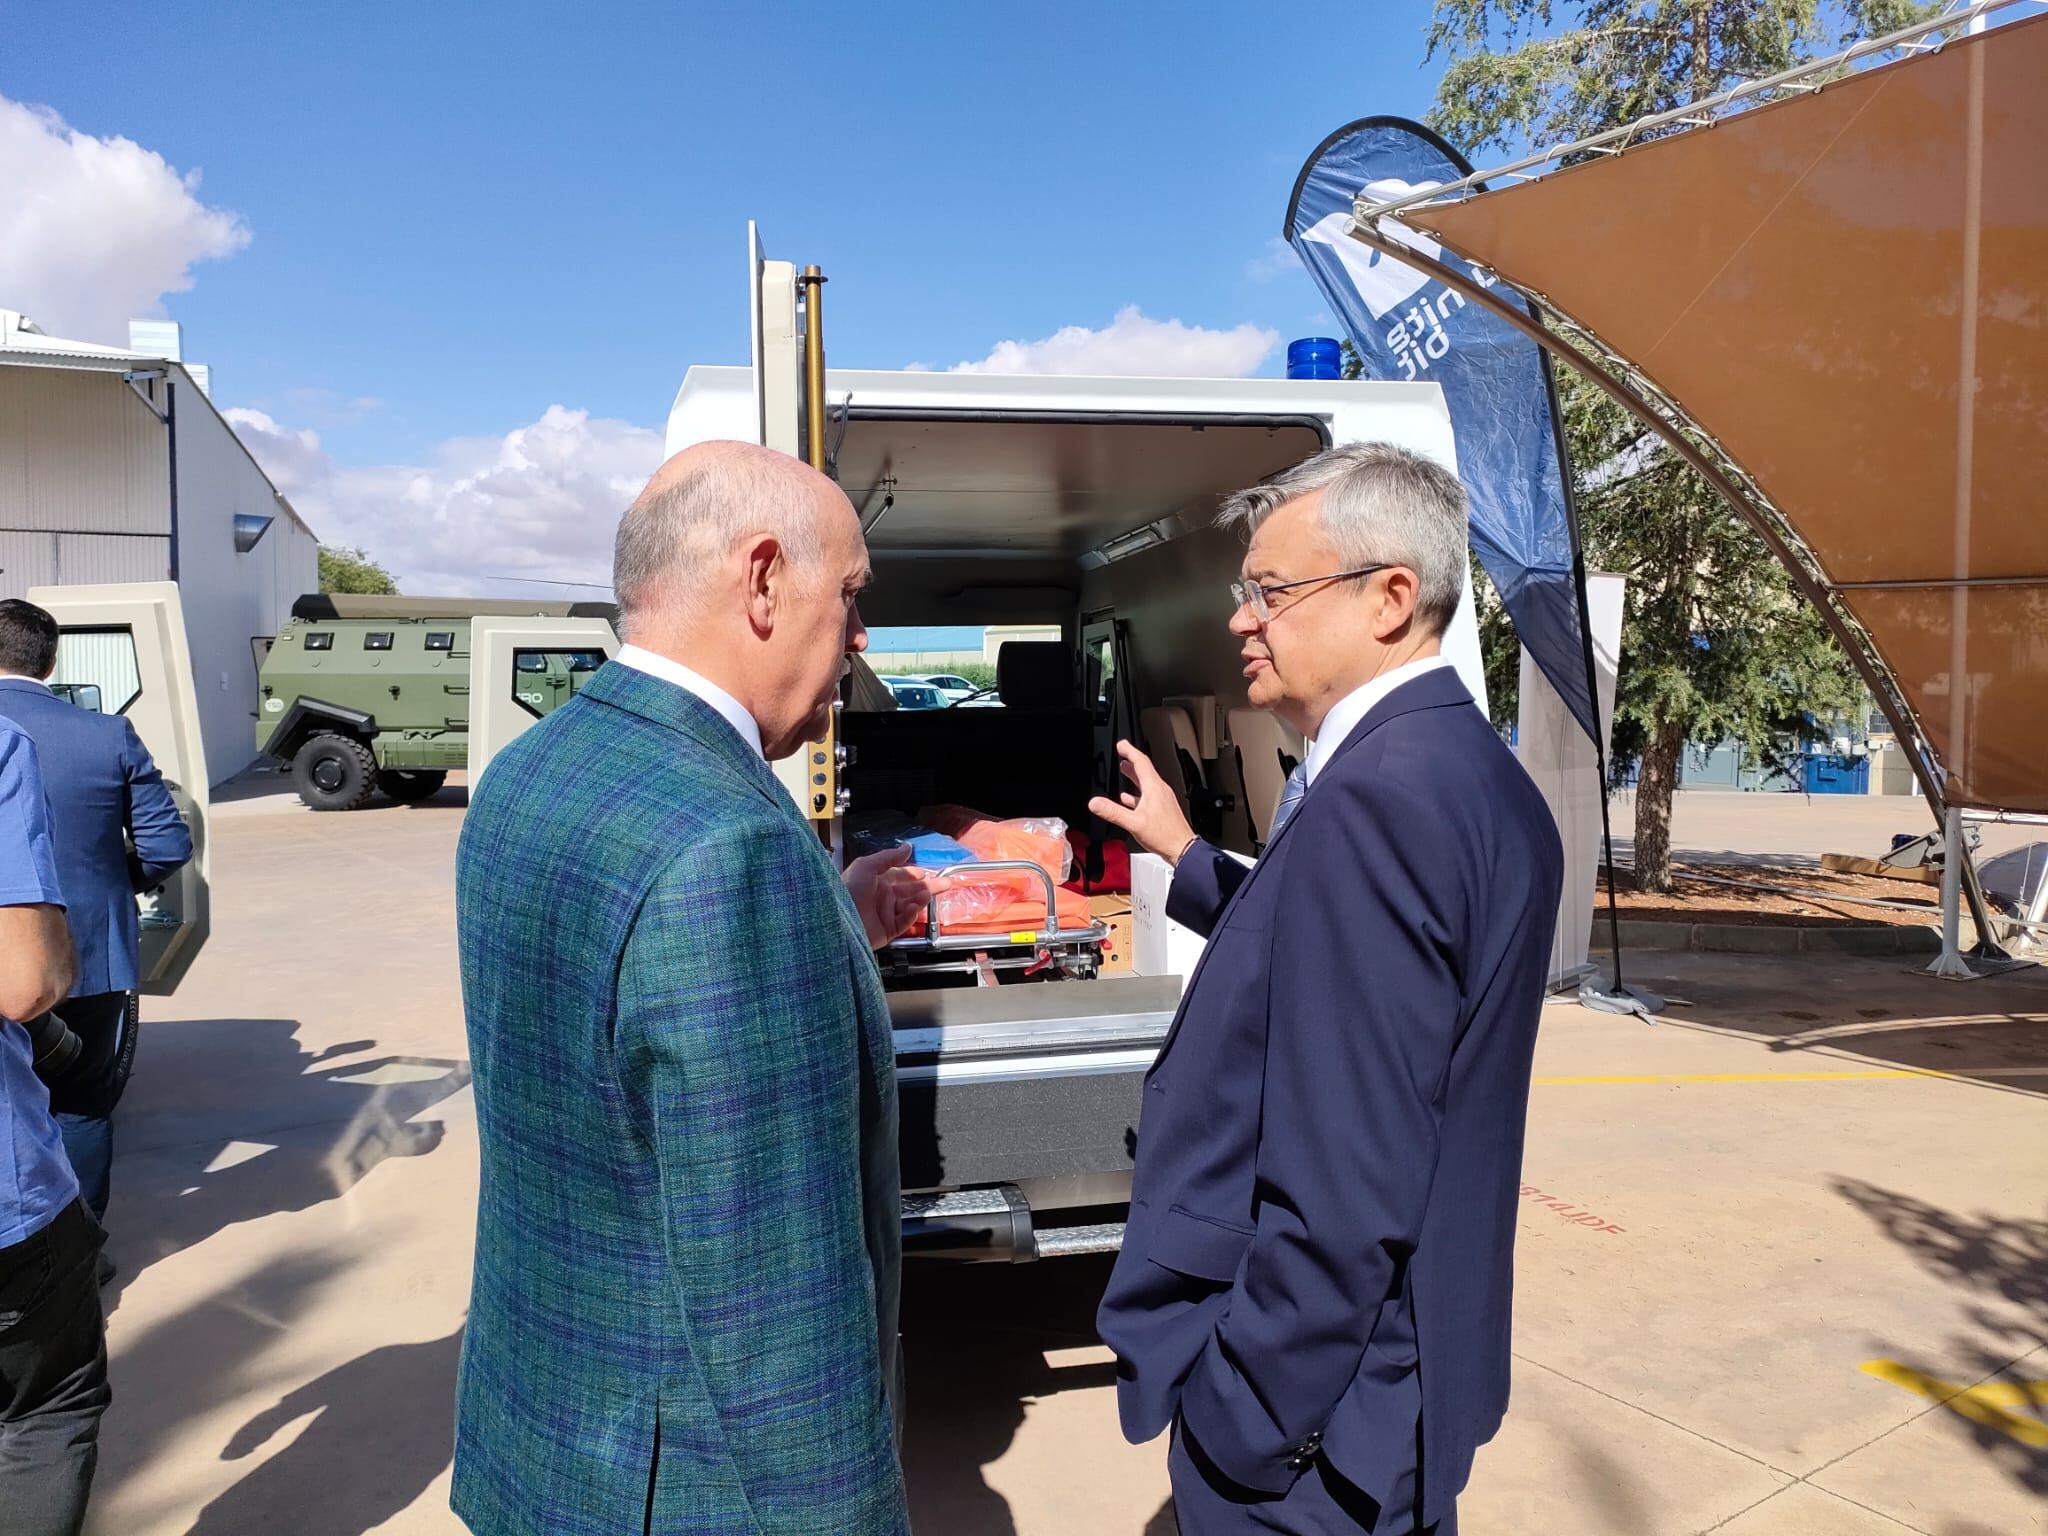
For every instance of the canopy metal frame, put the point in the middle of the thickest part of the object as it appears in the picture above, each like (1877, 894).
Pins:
(1921, 37)
(1559, 334)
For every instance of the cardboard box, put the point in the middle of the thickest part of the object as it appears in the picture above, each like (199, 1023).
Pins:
(1115, 912)
(1159, 945)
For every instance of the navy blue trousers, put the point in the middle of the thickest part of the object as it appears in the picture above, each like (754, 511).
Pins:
(1207, 1503)
(84, 1097)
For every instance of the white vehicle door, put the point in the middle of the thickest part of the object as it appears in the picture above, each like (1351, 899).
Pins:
(777, 348)
(811, 775)
(522, 669)
(122, 651)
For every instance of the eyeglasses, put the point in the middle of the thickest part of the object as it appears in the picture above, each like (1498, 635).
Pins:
(1258, 598)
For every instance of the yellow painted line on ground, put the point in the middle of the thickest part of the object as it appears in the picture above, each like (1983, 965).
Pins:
(1875, 1075)
(1988, 1404)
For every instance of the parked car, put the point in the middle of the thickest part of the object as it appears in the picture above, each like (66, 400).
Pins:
(951, 684)
(912, 693)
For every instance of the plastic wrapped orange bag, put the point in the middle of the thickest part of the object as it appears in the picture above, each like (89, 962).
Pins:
(1003, 900)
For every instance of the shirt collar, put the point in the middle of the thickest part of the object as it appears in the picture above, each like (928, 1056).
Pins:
(670, 670)
(1345, 716)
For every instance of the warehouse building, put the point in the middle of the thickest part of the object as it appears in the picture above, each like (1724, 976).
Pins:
(114, 467)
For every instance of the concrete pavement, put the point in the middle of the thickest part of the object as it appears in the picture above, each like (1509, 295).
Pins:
(1764, 1246)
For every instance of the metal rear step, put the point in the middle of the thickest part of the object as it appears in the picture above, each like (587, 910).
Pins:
(994, 1226)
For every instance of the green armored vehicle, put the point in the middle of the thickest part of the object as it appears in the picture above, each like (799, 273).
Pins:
(360, 694)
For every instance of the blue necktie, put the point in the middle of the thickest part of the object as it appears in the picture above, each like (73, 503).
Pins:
(1291, 794)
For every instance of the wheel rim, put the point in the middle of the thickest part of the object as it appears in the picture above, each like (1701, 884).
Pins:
(327, 773)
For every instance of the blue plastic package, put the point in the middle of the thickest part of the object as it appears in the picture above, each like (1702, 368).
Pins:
(934, 850)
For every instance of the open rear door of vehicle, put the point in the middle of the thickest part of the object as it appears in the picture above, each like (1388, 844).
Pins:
(777, 346)
(520, 670)
(122, 651)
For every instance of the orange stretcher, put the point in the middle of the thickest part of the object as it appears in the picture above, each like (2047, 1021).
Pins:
(977, 922)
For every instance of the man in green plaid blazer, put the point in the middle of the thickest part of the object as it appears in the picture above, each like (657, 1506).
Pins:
(683, 1315)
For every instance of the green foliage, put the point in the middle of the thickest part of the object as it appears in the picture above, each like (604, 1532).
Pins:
(350, 570)
(1717, 644)
(1514, 77)
(1714, 635)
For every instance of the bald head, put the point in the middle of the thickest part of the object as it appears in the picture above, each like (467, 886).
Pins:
(679, 532)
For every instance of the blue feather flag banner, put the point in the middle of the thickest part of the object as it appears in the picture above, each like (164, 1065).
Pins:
(1409, 326)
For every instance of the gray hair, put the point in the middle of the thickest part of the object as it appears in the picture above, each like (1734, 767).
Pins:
(679, 529)
(1382, 505)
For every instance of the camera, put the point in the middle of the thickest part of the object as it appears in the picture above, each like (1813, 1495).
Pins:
(53, 1045)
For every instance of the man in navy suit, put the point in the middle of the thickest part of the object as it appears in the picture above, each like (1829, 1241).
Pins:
(1315, 1283)
(118, 833)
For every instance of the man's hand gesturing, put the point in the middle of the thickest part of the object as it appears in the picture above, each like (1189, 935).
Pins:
(888, 896)
(1151, 813)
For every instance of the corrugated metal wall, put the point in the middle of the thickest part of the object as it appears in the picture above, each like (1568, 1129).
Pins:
(230, 598)
(79, 453)
(85, 498)
(49, 559)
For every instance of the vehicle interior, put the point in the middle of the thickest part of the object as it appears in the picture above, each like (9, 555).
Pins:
(1102, 526)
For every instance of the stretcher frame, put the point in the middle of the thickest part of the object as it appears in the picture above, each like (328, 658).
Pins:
(1075, 953)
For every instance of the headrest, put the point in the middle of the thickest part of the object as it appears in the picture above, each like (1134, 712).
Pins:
(1035, 674)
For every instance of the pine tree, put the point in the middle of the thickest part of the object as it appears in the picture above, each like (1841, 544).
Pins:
(1717, 644)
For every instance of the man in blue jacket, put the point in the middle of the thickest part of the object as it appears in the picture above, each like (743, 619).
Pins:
(118, 833)
(1315, 1284)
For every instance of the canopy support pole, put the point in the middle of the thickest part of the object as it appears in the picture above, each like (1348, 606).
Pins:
(1949, 964)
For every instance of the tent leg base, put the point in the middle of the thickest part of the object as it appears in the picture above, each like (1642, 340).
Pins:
(1596, 994)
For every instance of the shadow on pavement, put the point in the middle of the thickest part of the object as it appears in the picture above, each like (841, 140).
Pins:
(1989, 1384)
(381, 1429)
(1993, 1031)
(236, 1121)
(975, 1343)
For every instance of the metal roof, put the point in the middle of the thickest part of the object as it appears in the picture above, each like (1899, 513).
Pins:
(24, 344)
(318, 606)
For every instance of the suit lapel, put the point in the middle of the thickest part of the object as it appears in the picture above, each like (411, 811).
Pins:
(1435, 689)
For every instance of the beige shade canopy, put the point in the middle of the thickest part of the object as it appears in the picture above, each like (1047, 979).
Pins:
(1846, 291)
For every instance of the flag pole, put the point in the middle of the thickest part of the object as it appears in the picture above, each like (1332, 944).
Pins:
(1618, 998)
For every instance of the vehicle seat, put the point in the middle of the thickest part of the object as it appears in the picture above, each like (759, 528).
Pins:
(1035, 674)
(1028, 758)
(1266, 753)
(1171, 743)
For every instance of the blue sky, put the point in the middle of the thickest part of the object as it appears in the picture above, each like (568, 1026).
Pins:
(458, 216)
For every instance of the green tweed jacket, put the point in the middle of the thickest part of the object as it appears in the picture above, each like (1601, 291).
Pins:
(688, 1233)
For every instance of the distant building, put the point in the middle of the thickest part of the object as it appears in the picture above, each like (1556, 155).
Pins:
(115, 467)
(941, 647)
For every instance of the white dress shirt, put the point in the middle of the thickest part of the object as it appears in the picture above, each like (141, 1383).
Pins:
(670, 671)
(1348, 712)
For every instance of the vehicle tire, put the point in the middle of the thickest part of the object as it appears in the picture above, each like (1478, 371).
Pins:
(409, 786)
(334, 773)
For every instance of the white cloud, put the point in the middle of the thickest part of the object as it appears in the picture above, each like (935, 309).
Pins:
(543, 501)
(98, 230)
(1276, 260)
(1135, 345)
